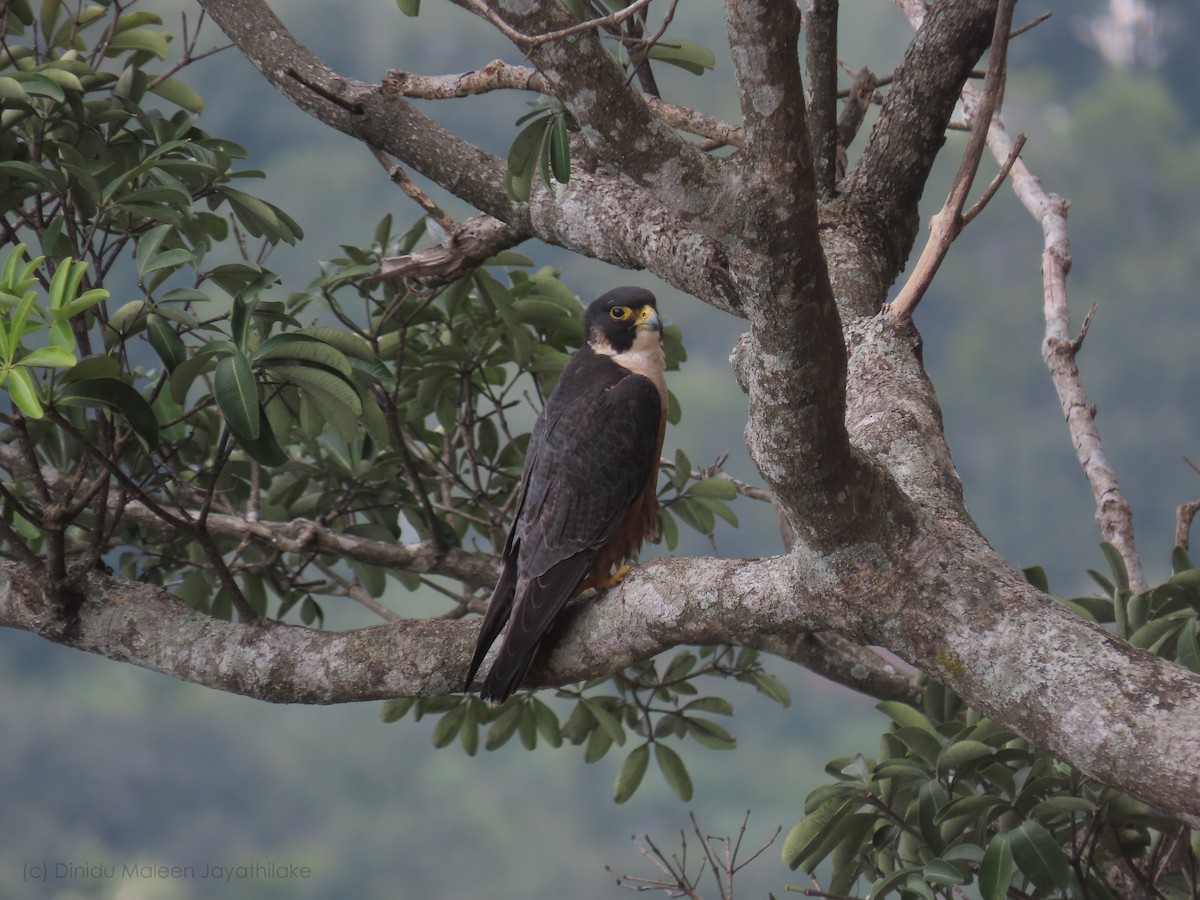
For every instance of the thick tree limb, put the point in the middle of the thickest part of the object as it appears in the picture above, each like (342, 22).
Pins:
(649, 236)
(884, 186)
(945, 603)
(383, 120)
(622, 130)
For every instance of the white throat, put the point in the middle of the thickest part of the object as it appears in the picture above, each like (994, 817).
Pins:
(645, 357)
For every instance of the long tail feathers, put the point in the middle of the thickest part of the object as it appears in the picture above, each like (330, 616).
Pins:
(497, 614)
(533, 611)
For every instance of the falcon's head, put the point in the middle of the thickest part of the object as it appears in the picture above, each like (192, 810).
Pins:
(623, 320)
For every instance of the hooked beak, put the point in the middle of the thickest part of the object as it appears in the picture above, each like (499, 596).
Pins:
(648, 318)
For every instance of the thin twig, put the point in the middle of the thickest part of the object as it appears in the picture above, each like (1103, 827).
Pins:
(532, 40)
(399, 177)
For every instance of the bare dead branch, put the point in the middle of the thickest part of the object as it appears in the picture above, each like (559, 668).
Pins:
(499, 75)
(1029, 26)
(978, 206)
(1185, 514)
(1059, 349)
(524, 40)
(464, 247)
(398, 177)
(948, 223)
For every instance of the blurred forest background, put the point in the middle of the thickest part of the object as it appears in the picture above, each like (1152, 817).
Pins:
(107, 764)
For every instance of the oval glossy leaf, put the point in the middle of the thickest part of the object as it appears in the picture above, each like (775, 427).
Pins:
(560, 150)
(118, 396)
(905, 716)
(24, 394)
(1039, 856)
(673, 771)
(996, 869)
(180, 93)
(166, 343)
(237, 395)
(811, 830)
(631, 774)
(49, 358)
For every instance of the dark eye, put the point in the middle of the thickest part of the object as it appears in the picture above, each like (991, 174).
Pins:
(619, 312)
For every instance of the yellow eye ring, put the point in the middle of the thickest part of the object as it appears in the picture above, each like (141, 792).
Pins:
(619, 312)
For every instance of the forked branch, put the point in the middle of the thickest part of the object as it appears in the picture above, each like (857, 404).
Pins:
(950, 221)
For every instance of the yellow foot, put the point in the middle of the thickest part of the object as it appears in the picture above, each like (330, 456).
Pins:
(606, 581)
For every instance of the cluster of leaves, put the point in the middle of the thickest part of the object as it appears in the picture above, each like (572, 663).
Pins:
(383, 412)
(1162, 620)
(655, 700)
(954, 799)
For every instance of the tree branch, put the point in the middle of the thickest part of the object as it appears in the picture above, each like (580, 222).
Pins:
(380, 118)
(622, 130)
(885, 185)
(1185, 514)
(821, 34)
(465, 247)
(949, 222)
(1059, 351)
(945, 602)
(498, 75)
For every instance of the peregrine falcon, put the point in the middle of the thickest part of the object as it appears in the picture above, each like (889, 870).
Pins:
(588, 497)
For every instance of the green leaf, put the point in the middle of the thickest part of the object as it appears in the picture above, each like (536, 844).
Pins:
(709, 734)
(166, 343)
(236, 392)
(522, 158)
(882, 887)
(673, 771)
(1116, 563)
(766, 683)
(931, 800)
(24, 394)
(1037, 577)
(448, 725)
(1039, 856)
(180, 93)
(303, 348)
(12, 92)
(717, 488)
(265, 448)
(1188, 650)
(153, 42)
(905, 716)
(560, 150)
(961, 754)
(939, 871)
(996, 869)
(606, 720)
(504, 727)
(49, 357)
(688, 55)
(119, 396)
(631, 773)
(395, 709)
(409, 7)
(807, 834)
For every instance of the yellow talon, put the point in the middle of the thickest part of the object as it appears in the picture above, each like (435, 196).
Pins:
(604, 582)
